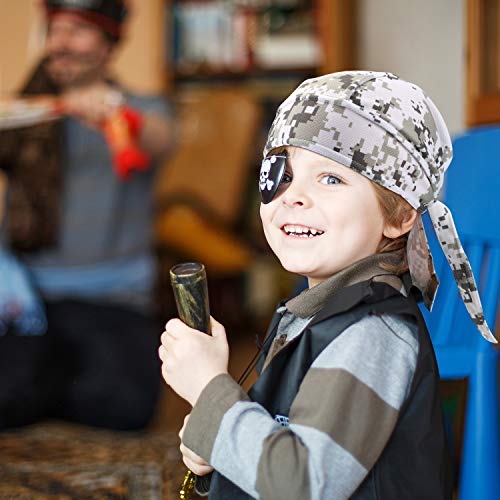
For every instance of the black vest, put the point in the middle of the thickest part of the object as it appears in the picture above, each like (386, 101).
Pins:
(415, 463)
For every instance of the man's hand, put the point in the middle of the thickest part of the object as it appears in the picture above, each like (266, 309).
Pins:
(191, 359)
(193, 461)
(92, 104)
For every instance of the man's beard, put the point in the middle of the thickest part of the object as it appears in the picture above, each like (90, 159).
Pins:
(79, 69)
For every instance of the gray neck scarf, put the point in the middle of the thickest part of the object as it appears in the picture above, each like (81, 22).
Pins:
(312, 300)
(391, 132)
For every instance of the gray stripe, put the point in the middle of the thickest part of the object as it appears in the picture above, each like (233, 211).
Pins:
(221, 394)
(239, 442)
(291, 325)
(378, 356)
(353, 415)
(334, 473)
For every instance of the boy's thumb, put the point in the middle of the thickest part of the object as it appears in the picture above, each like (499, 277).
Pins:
(218, 330)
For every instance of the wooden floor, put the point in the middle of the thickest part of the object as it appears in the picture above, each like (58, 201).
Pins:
(65, 461)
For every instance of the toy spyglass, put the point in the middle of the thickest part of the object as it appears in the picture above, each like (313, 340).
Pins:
(189, 282)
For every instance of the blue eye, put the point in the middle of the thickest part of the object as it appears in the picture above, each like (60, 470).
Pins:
(330, 179)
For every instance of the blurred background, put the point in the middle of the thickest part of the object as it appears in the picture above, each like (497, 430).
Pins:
(226, 65)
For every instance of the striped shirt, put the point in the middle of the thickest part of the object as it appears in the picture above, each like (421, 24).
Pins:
(339, 423)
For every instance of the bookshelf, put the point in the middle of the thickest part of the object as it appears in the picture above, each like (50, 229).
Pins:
(483, 62)
(261, 44)
(220, 53)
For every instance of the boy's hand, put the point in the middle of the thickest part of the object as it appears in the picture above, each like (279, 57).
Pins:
(191, 359)
(193, 461)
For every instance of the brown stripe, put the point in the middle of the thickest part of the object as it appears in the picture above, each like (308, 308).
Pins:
(353, 415)
(217, 398)
(275, 482)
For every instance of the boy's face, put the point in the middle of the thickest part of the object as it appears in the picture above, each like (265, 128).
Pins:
(323, 218)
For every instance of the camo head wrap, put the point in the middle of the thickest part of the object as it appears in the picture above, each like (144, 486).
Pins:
(391, 132)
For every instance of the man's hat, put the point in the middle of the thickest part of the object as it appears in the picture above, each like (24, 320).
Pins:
(105, 14)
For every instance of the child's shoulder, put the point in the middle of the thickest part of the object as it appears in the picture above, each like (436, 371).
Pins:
(380, 351)
(398, 327)
(378, 335)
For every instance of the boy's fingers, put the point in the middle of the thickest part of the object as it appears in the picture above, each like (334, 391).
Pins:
(217, 329)
(162, 353)
(192, 456)
(181, 432)
(186, 418)
(175, 328)
(199, 470)
(174, 325)
(214, 322)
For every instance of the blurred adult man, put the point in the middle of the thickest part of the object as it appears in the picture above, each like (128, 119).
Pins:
(85, 235)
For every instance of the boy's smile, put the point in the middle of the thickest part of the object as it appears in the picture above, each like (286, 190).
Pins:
(300, 231)
(323, 218)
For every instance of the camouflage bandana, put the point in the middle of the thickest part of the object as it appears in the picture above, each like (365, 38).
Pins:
(391, 132)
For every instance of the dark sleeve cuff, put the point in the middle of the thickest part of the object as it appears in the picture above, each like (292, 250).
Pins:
(221, 393)
(202, 484)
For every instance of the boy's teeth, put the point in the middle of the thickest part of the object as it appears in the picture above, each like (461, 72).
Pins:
(303, 232)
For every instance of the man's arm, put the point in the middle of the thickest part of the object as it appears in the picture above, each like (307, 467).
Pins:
(93, 105)
(156, 136)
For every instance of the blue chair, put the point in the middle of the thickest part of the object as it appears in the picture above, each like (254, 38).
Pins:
(472, 192)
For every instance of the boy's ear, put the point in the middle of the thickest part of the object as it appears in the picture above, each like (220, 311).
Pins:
(394, 232)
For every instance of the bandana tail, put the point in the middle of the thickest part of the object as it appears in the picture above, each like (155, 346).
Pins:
(423, 274)
(444, 226)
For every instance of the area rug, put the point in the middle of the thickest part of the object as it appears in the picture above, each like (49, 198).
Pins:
(63, 461)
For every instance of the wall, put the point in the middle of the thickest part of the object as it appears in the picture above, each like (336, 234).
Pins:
(422, 41)
(139, 63)
(21, 41)
(140, 60)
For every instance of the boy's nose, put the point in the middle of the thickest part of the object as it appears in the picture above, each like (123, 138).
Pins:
(296, 196)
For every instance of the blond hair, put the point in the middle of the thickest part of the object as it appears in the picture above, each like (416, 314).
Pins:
(395, 210)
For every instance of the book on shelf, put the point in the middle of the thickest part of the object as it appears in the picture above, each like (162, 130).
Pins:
(287, 51)
(234, 37)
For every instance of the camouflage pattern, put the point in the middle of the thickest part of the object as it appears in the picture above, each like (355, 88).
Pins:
(444, 226)
(391, 132)
(420, 263)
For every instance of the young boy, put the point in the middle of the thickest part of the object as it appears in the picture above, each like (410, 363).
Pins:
(346, 405)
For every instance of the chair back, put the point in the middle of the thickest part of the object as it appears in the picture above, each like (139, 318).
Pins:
(471, 191)
(217, 137)
(201, 189)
